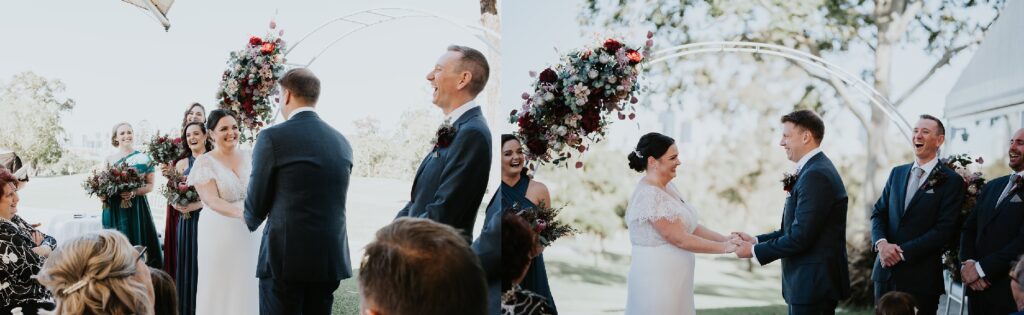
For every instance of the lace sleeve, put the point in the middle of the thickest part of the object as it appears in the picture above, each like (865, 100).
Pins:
(202, 171)
(649, 204)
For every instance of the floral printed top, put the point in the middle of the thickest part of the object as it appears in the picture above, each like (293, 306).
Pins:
(18, 264)
(523, 302)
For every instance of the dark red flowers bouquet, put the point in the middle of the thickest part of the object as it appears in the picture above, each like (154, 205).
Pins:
(112, 181)
(178, 192)
(165, 150)
(543, 222)
(251, 79)
(969, 170)
(573, 101)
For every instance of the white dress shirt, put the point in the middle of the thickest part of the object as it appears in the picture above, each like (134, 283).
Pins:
(299, 110)
(458, 112)
(799, 165)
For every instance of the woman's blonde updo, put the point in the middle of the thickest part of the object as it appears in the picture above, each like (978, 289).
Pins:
(92, 274)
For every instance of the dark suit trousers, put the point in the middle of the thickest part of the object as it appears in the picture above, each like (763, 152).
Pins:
(997, 299)
(820, 308)
(296, 298)
(927, 303)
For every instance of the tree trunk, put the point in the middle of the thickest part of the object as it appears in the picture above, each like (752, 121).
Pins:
(490, 20)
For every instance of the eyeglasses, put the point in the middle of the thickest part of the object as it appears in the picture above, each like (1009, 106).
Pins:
(142, 253)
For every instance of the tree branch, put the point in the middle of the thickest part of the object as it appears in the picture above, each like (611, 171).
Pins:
(900, 24)
(944, 60)
(840, 89)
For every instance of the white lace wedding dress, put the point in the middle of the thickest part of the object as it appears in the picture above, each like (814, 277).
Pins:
(226, 251)
(661, 274)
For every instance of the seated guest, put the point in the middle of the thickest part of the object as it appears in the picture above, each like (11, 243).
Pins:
(1017, 284)
(24, 250)
(166, 294)
(418, 266)
(518, 247)
(896, 303)
(99, 273)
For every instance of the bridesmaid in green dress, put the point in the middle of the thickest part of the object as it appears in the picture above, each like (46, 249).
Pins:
(136, 222)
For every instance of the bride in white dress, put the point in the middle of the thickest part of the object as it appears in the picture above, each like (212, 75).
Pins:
(664, 234)
(226, 251)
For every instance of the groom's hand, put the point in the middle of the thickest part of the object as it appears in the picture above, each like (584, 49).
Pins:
(744, 236)
(889, 253)
(745, 250)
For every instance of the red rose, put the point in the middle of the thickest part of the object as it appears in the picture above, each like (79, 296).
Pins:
(548, 76)
(177, 141)
(267, 48)
(591, 120)
(182, 187)
(255, 41)
(612, 45)
(537, 146)
(634, 56)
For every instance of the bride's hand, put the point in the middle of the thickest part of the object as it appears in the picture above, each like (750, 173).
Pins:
(730, 247)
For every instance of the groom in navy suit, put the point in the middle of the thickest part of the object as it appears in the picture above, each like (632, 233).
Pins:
(993, 237)
(299, 183)
(914, 219)
(812, 240)
(451, 181)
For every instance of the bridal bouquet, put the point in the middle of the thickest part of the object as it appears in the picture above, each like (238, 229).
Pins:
(178, 192)
(967, 168)
(573, 101)
(542, 221)
(251, 79)
(112, 181)
(164, 150)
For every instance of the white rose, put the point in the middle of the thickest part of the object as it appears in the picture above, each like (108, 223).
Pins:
(562, 130)
(603, 59)
(593, 74)
(581, 101)
(548, 97)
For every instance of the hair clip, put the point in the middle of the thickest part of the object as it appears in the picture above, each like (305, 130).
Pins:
(637, 153)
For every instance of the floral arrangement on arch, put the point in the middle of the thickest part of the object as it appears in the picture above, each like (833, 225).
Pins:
(573, 101)
(969, 169)
(251, 79)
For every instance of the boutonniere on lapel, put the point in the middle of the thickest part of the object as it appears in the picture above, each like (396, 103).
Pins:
(788, 181)
(443, 137)
(936, 178)
(1017, 185)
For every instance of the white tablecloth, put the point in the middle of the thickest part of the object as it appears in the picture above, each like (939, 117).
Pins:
(64, 227)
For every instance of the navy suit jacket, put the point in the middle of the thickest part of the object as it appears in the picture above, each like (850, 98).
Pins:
(922, 231)
(993, 235)
(451, 181)
(812, 240)
(299, 184)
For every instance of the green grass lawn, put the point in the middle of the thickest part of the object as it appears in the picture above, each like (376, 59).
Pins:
(346, 298)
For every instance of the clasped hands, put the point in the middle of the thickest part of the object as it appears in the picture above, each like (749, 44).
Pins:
(744, 244)
(970, 276)
(889, 254)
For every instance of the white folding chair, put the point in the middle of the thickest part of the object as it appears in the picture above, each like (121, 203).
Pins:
(955, 292)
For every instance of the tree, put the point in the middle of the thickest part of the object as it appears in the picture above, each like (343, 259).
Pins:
(32, 108)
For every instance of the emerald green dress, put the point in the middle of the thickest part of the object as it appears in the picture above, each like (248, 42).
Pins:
(136, 222)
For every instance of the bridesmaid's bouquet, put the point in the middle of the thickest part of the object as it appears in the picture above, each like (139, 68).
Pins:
(112, 181)
(968, 169)
(543, 222)
(178, 192)
(164, 149)
(572, 102)
(250, 81)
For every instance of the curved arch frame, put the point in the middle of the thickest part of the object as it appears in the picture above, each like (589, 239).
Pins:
(795, 55)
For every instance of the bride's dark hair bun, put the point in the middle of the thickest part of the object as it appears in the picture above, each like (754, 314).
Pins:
(650, 145)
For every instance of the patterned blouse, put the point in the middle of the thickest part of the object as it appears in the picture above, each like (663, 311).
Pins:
(18, 264)
(523, 302)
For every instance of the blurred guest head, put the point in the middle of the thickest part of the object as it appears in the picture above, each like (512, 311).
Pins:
(1017, 282)
(99, 273)
(458, 77)
(656, 154)
(418, 266)
(8, 194)
(13, 163)
(802, 132)
(195, 113)
(166, 294)
(929, 135)
(896, 303)
(518, 244)
(1016, 149)
(223, 128)
(122, 136)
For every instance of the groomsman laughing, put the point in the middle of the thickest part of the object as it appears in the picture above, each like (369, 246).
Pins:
(993, 237)
(915, 218)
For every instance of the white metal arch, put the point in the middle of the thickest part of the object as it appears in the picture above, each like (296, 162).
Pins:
(372, 17)
(795, 55)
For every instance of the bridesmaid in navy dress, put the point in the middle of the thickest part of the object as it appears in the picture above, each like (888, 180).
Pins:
(198, 143)
(517, 188)
(195, 112)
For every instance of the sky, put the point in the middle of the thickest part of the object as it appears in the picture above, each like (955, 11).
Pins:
(119, 64)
